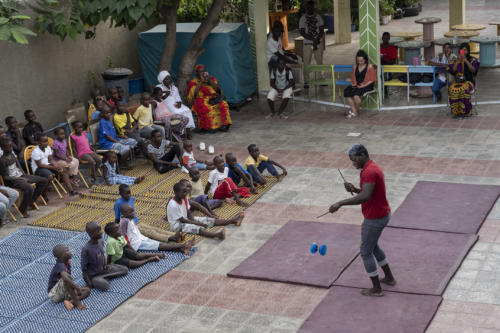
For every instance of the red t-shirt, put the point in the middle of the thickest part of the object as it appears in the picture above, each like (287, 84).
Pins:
(388, 53)
(377, 207)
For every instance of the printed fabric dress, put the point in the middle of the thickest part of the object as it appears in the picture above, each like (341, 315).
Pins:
(115, 178)
(210, 117)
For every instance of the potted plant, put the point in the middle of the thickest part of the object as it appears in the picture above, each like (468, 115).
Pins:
(386, 11)
(409, 7)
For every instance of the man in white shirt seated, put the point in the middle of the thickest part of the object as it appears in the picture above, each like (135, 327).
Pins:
(282, 84)
(274, 47)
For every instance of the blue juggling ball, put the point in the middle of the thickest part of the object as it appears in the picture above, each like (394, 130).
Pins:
(322, 249)
(314, 248)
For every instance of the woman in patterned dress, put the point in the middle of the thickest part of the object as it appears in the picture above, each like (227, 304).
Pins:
(205, 98)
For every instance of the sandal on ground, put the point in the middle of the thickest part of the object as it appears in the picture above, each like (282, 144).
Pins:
(283, 116)
(351, 115)
(271, 115)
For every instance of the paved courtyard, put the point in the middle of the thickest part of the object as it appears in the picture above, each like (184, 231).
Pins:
(410, 145)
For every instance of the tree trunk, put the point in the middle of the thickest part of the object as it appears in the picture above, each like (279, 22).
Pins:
(195, 49)
(170, 16)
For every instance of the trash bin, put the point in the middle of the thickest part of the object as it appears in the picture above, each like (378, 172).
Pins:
(136, 86)
(329, 23)
(117, 77)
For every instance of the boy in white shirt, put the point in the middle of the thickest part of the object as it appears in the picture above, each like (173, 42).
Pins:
(41, 163)
(221, 186)
(282, 83)
(190, 162)
(180, 218)
(138, 241)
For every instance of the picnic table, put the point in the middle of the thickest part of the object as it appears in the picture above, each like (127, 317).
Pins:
(497, 23)
(455, 43)
(412, 49)
(408, 35)
(469, 27)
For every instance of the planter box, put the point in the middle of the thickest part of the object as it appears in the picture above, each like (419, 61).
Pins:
(384, 20)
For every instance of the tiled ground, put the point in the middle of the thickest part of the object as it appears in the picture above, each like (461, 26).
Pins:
(410, 145)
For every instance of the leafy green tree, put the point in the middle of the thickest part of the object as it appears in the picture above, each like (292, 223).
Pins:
(11, 22)
(84, 15)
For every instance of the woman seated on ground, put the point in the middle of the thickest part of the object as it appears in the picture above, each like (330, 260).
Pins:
(465, 70)
(173, 100)
(206, 100)
(363, 78)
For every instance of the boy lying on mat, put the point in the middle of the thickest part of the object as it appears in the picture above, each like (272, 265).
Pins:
(140, 242)
(221, 186)
(61, 287)
(150, 231)
(256, 163)
(119, 252)
(180, 218)
(95, 270)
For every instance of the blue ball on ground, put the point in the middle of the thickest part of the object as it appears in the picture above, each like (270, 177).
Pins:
(322, 249)
(314, 248)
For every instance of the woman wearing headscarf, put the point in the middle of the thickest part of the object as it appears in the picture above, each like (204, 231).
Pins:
(205, 98)
(173, 99)
(465, 70)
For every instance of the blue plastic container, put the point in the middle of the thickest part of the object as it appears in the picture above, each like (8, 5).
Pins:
(329, 23)
(136, 86)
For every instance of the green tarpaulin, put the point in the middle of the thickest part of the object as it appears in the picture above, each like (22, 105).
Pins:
(227, 56)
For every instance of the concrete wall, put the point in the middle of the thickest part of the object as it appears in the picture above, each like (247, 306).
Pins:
(47, 75)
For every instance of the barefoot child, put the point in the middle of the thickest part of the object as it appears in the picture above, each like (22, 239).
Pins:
(238, 173)
(95, 270)
(61, 286)
(190, 162)
(81, 147)
(138, 241)
(163, 153)
(108, 139)
(119, 252)
(195, 190)
(61, 155)
(256, 163)
(148, 230)
(180, 218)
(111, 172)
(42, 163)
(223, 187)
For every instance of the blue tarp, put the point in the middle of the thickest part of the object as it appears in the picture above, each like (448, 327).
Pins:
(227, 56)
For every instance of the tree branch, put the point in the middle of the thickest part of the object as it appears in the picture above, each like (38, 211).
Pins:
(169, 14)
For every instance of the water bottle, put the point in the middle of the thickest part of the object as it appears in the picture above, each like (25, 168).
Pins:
(454, 37)
(422, 60)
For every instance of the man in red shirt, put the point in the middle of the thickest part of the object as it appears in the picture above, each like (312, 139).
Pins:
(388, 56)
(376, 211)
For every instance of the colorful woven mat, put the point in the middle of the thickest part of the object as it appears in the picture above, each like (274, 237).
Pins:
(25, 263)
(151, 197)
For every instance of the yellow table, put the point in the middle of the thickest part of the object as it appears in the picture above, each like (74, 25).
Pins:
(468, 27)
(474, 47)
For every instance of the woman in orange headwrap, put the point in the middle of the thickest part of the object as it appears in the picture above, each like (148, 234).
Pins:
(205, 98)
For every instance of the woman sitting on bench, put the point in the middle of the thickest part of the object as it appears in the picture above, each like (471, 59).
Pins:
(363, 78)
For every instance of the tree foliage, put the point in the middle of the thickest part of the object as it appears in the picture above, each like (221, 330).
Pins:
(11, 22)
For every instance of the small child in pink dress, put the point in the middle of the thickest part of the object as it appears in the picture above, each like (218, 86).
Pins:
(61, 157)
(81, 147)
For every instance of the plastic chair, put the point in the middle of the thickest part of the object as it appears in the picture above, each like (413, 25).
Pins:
(396, 82)
(27, 156)
(81, 162)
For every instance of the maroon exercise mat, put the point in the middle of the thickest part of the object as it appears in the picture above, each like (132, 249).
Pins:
(447, 207)
(423, 262)
(346, 310)
(285, 257)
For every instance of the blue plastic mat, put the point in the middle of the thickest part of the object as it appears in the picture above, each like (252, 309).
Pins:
(25, 263)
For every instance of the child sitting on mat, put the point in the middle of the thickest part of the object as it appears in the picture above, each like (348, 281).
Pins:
(180, 218)
(95, 270)
(256, 163)
(119, 252)
(150, 231)
(111, 171)
(61, 287)
(237, 173)
(81, 147)
(223, 187)
(190, 162)
(138, 241)
(199, 201)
